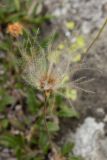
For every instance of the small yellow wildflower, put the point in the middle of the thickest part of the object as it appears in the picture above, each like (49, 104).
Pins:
(61, 46)
(70, 25)
(15, 29)
(77, 58)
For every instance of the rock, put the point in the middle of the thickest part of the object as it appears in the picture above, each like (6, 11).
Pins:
(88, 14)
(90, 142)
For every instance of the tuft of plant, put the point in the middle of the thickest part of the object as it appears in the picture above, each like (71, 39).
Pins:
(49, 70)
(33, 112)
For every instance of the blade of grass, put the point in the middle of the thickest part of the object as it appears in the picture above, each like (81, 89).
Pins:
(32, 7)
(17, 4)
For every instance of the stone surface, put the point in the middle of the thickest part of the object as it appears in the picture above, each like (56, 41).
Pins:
(88, 14)
(90, 141)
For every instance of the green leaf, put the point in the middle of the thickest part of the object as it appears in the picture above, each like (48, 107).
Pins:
(43, 141)
(33, 103)
(52, 126)
(4, 124)
(4, 101)
(4, 46)
(67, 148)
(37, 20)
(31, 156)
(49, 40)
(75, 158)
(17, 4)
(15, 17)
(59, 99)
(66, 111)
(12, 141)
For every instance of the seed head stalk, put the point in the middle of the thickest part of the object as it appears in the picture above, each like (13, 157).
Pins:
(96, 37)
(45, 121)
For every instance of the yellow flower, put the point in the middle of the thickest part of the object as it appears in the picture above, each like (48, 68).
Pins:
(70, 25)
(15, 29)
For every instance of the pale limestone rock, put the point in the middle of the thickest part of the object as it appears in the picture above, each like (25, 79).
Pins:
(90, 142)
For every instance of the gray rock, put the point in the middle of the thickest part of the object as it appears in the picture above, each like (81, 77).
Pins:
(90, 142)
(89, 14)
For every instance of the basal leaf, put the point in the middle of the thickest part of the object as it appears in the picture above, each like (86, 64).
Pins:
(52, 126)
(66, 111)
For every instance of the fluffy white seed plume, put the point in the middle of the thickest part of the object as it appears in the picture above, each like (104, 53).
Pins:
(51, 69)
(47, 71)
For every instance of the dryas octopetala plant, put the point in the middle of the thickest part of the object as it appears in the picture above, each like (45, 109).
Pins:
(50, 70)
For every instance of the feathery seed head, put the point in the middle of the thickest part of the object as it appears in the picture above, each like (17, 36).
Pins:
(47, 70)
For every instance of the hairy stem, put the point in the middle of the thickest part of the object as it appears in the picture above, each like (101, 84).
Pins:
(45, 122)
